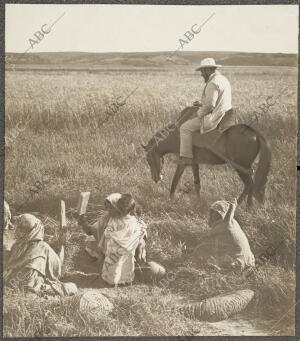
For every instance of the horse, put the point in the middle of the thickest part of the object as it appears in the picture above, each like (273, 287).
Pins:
(240, 144)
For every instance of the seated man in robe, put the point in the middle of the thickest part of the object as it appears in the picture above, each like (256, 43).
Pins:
(119, 238)
(33, 265)
(226, 245)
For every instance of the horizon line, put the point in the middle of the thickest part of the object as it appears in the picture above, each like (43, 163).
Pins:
(129, 52)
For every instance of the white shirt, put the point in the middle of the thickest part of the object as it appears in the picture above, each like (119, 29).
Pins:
(216, 100)
(126, 231)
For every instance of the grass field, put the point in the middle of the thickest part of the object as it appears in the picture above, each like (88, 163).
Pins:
(59, 144)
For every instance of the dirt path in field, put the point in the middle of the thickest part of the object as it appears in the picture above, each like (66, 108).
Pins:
(232, 327)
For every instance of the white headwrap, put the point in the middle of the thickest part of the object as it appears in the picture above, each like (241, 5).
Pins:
(221, 207)
(114, 198)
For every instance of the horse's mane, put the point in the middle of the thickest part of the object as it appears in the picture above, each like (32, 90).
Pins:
(186, 114)
(172, 128)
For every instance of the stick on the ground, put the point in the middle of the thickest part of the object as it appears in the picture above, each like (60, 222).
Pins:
(62, 214)
(83, 202)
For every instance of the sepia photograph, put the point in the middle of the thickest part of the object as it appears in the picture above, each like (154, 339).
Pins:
(149, 157)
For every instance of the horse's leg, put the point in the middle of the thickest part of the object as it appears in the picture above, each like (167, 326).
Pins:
(195, 168)
(176, 178)
(248, 185)
(250, 194)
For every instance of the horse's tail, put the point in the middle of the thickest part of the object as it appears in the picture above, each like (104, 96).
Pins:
(261, 174)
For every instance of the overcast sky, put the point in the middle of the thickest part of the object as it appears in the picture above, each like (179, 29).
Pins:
(131, 28)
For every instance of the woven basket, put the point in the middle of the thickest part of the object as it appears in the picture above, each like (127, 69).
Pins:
(218, 308)
(91, 304)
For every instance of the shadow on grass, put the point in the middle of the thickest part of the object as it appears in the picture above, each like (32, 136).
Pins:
(45, 205)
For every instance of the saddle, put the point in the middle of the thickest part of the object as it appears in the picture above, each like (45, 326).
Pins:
(206, 140)
(209, 139)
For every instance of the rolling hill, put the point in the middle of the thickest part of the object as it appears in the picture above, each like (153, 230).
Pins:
(79, 60)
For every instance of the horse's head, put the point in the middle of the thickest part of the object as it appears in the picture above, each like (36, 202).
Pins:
(155, 161)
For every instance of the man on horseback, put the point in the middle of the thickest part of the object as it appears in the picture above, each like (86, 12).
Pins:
(215, 105)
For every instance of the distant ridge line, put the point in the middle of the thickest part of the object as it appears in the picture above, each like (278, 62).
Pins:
(149, 59)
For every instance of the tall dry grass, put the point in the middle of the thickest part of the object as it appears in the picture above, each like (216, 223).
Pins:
(59, 143)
